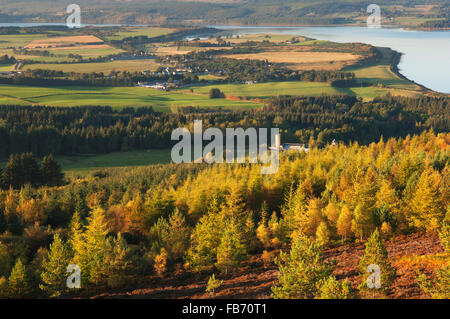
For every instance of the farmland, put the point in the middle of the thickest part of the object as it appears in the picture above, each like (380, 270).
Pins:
(298, 60)
(112, 96)
(266, 90)
(105, 67)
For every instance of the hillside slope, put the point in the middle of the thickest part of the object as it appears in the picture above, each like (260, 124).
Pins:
(407, 253)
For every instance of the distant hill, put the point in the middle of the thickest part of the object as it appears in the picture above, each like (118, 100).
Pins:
(247, 12)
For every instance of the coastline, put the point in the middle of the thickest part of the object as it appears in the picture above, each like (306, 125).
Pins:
(262, 25)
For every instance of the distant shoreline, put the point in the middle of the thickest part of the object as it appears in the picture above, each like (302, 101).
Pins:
(385, 26)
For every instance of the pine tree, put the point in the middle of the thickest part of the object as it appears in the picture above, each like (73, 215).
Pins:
(212, 285)
(54, 273)
(426, 209)
(5, 260)
(161, 262)
(18, 282)
(389, 206)
(205, 240)
(51, 172)
(439, 287)
(362, 223)
(231, 250)
(344, 223)
(76, 238)
(331, 288)
(323, 234)
(444, 235)
(22, 169)
(118, 262)
(376, 254)
(91, 250)
(301, 270)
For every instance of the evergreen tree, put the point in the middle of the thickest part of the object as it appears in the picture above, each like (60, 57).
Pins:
(90, 252)
(161, 262)
(439, 288)
(323, 234)
(426, 209)
(5, 260)
(376, 254)
(301, 270)
(22, 169)
(344, 223)
(51, 172)
(118, 262)
(212, 285)
(362, 223)
(18, 282)
(205, 240)
(231, 250)
(444, 235)
(54, 266)
(331, 288)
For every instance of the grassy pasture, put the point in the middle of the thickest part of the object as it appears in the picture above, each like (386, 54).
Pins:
(18, 40)
(271, 89)
(113, 96)
(383, 75)
(83, 164)
(86, 51)
(105, 67)
(86, 163)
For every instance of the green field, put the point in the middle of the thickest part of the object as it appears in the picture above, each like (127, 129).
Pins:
(105, 67)
(82, 164)
(113, 96)
(266, 90)
(381, 74)
(18, 40)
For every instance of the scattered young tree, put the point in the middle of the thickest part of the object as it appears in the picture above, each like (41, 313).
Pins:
(439, 288)
(18, 282)
(212, 285)
(161, 262)
(231, 250)
(331, 288)
(54, 266)
(323, 234)
(426, 208)
(118, 262)
(301, 270)
(376, 254)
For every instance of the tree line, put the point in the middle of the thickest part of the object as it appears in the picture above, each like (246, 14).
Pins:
(24, 168)
(74, 130)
